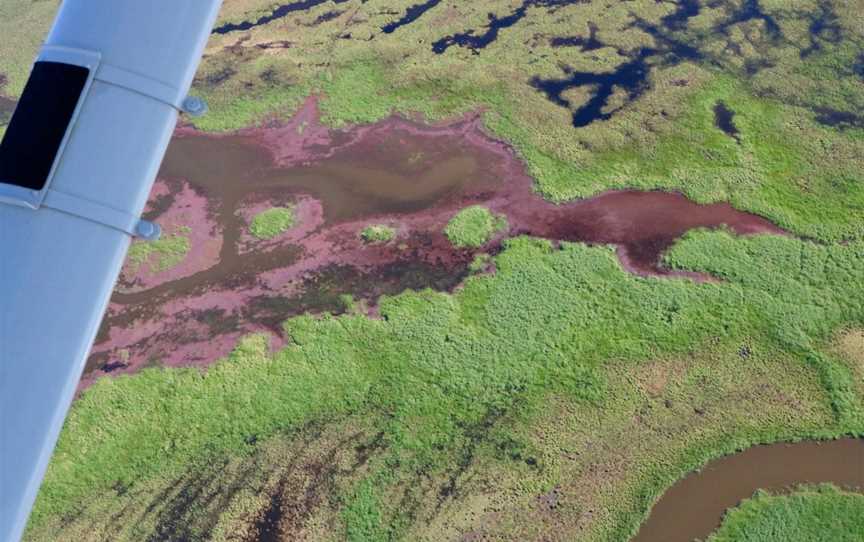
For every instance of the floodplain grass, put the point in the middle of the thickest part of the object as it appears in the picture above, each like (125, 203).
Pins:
(474, 226)
(482, 379)
(161, 254)
(23, 25)
(272, 222)
(439, 373)
(655, 422)
(222, 499)
(809, 514)
(480, 262)
(848, 348)
(378, 233)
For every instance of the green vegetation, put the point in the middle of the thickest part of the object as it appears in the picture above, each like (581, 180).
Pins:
(480, 263)
(778, 88)
(23, 24)
(378, 233)
(270, 223)
(558, 350)
(849, 350)
(473, 227)
(811, 514)
(784, 161)
(559, 373)
(161, 255)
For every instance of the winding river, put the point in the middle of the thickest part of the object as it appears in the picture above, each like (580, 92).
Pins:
(693, 508)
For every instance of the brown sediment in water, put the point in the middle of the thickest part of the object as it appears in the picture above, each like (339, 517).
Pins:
(409, 175)
(7, 105)
(693, 508)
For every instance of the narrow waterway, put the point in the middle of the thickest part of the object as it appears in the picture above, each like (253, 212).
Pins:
(693, 508)
(411, 176)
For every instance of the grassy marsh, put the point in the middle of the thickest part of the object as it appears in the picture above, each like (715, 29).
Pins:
(776, 86)
(469, 382)
(559, 378)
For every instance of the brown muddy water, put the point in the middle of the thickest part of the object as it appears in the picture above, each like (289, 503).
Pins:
(410, 175)
(693, 508)
(403, 173)
(394, 173)
(397, 174)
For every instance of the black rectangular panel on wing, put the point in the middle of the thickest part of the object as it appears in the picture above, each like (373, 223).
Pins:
(40, 122)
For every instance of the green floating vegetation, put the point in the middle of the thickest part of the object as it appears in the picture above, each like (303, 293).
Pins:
(474, 226)
(162, 254)
(270, 223)
(810, 514)
(378, 233)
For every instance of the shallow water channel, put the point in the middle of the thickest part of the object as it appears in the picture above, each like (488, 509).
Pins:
(409, 175)
(693, 508)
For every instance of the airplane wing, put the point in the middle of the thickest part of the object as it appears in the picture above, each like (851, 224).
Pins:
(76, 167)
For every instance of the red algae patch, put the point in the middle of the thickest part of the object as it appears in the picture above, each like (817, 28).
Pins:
(411, 176)
(641, 224)
(184, 214)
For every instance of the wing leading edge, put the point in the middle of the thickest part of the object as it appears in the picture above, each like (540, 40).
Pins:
(109, 80)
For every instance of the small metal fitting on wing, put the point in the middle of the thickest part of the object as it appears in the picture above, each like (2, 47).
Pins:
(148, 231)
(194, 106)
